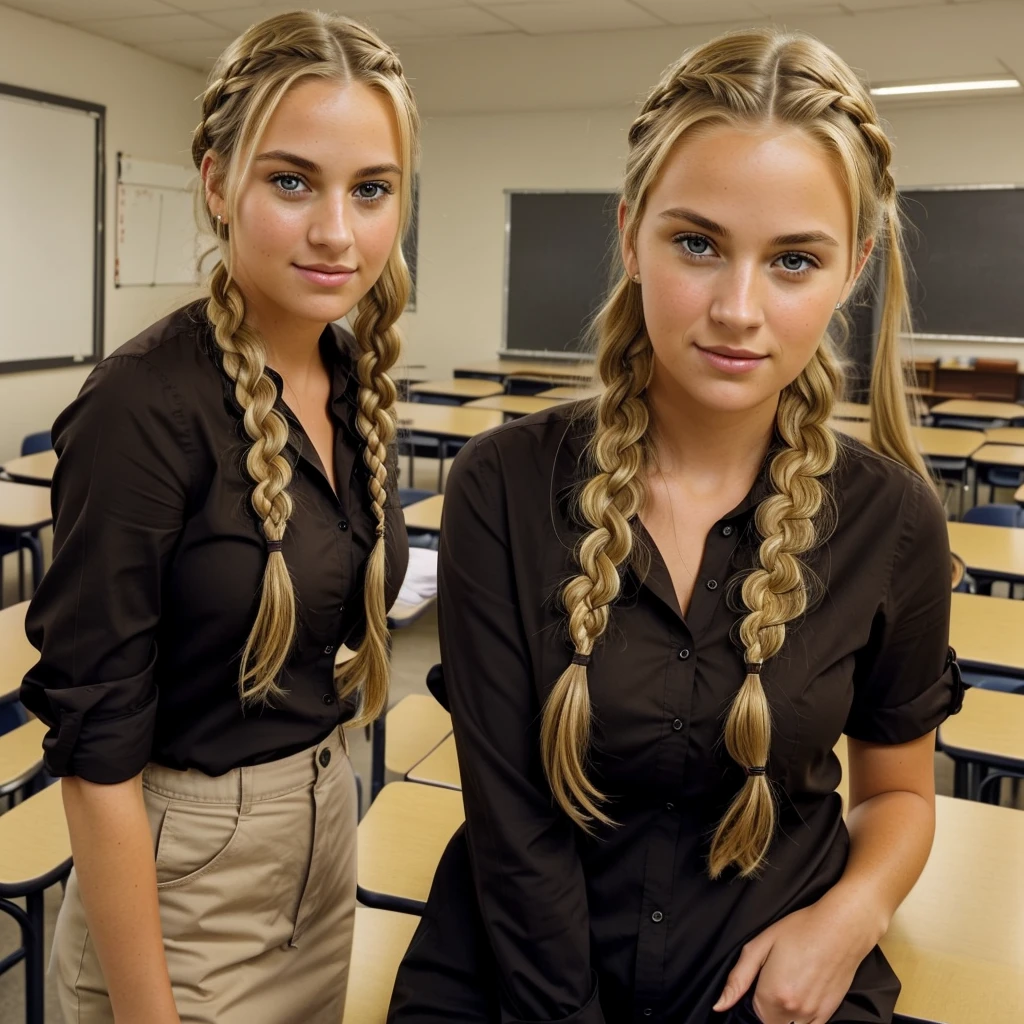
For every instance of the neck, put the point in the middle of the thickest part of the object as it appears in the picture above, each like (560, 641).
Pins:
(712, 446)
(292, 344)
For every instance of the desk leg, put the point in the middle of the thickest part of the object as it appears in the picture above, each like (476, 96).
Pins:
(961, 780)
(377, 757)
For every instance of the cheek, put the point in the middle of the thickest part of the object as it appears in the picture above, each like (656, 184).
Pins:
(270, 228)
(376, 236)
(673, 301)
(799, 320)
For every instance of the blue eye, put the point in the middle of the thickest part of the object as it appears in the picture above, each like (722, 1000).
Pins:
(373, 191)
(796, 262)
(288, 183)
(694, 245)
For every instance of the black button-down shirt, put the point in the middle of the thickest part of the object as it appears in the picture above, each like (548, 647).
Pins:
(529, 919)
(158, 562)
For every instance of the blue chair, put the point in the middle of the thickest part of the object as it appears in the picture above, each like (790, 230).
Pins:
(995, 515)
(34, 443)
(986, 681)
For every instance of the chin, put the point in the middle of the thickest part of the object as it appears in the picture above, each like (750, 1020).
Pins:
(320, 308)
(727, 396)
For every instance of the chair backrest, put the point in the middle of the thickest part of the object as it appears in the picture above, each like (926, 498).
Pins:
(410, 495)
(33, 443)
(995, 365)
(995, 515)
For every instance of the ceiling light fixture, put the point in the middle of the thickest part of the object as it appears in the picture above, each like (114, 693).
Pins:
(934, 87)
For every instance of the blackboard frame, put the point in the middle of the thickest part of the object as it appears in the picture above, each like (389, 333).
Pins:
(99, 113)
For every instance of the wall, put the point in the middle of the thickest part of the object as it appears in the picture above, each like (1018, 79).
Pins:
(150, 114)
(499, 114)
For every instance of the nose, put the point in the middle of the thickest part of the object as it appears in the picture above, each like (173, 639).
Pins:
(331, 225)
(737, 302)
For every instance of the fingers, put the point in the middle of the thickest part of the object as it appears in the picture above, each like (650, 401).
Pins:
(743, 975)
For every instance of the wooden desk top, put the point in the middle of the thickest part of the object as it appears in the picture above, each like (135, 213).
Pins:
(986, 632)
(425, 514)
(570, 394)
(1005, 435)
(957, 943)
(32, 469)
(1000, 455)
(458, 387)
(445, 420)
(402, 836)
(17, 655)
(21, 750)
(441, 767)
(990, 723)
(532, 368)
(24, 506)
(414, 727)
(379, 942)
(514, 405)
(851, 411)
(931, 441)
(980, 410)
(34, 838)
(993, 550)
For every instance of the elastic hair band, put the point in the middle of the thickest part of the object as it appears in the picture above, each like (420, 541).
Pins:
(274, 545)
(760, 770)
(581, 659)
(754, 667)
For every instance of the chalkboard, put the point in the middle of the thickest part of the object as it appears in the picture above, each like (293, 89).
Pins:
(966, 247)
(559, 249)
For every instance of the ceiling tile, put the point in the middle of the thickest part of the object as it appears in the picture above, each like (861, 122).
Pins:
(805, 8)
(354, 8)
(575, 16)
(699, 12)
(173, 28)
(197, 53)
(391, 27)
(206, 6)
(238, 19)
(78, 10)
(857, 6)
(458, 21)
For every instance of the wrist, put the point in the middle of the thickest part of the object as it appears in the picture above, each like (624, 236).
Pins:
(861, 912)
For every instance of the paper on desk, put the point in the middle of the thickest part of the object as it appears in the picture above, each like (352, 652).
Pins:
(420, 582)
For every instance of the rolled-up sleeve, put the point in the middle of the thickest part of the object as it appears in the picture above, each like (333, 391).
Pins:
(119, 496)
(906, 680)
(526, 869)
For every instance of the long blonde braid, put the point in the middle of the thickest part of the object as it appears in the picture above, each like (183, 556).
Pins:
(246, 85)
(755, 77)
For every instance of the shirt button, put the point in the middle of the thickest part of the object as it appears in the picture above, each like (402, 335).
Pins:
(677, 725)
(657, 917)
(328, 698)
(648, 1011)
(341, 609)
(328, 649)
(712, 584)
(670, 806)
(684, 654)
(726, 531)
(343, 524)
(325, 758)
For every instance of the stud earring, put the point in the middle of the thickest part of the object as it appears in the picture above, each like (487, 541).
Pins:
(636, 278)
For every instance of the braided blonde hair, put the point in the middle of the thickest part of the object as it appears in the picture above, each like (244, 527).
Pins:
(246, 84)
(744, 78)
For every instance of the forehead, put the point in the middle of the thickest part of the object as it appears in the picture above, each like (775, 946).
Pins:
(334, 124)
(769, 180)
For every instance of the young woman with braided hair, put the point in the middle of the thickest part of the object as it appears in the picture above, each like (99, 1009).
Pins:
(226, 520)
(648, 671)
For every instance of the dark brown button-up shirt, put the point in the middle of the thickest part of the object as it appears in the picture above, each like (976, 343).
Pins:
(158, 562)
(529, 919)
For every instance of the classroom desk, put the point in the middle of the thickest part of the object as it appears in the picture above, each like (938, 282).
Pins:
(441, 767)
(957, 942)
(424, 515)
(851, 411)
(1004, 435)
(502, 368)
(932, 442)
(514, 405)
(440, 421)
(463, 388)
(17, 655)
(965, 409)
(996, 552)
(1007, 455)
(986, 632)
(24, 507)
(989, 731)
(379, 942)
(570, 394)
(36, 469)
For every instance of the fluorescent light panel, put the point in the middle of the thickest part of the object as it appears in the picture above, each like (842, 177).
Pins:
(932, 87)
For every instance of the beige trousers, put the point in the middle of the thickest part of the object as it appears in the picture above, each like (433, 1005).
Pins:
(256, 877)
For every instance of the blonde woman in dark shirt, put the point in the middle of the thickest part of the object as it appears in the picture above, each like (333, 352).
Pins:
(225, 520)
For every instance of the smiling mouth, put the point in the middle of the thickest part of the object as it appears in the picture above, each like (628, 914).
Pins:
(731, 360)
(321, 268)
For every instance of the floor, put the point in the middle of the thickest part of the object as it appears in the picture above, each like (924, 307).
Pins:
(415, 651)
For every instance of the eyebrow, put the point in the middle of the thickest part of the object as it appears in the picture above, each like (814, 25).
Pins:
(313, 168)
(798, 238)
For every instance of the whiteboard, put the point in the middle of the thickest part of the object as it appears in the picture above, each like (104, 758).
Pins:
(51, 230)
(157, 239)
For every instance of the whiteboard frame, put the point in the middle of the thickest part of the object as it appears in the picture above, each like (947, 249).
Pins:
(99, 112)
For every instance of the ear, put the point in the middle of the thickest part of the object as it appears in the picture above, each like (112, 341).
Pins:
(865, 252)
(209, 172)
(629, 259)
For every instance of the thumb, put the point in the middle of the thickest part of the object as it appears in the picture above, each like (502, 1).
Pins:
(743, 975)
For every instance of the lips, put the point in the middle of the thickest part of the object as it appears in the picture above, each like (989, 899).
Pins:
(323, 268)
(731, 360)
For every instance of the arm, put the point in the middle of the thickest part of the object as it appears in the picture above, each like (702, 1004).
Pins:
(119, 496)
(526, 870)
(904, 685)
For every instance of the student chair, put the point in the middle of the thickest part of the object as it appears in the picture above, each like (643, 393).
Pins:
(995, 515)
(32, 444)
(409, 496)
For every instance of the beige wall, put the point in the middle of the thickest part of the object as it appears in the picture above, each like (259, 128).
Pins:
(476, 144)
(150, 115)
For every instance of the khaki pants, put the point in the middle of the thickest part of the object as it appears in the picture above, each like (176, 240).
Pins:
(256, 877)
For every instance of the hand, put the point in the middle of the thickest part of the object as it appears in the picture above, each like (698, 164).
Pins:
(803, 964)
